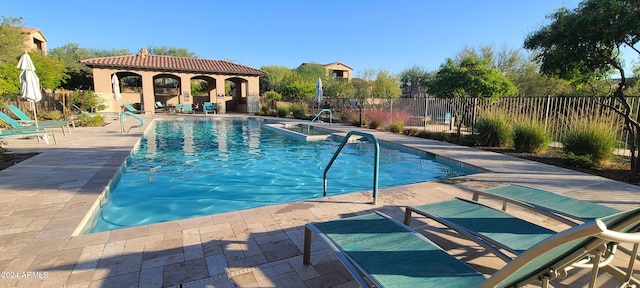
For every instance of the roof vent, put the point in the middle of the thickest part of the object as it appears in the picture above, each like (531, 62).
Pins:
(143, 52)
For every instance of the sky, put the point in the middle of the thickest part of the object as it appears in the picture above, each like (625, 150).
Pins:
(362, 34)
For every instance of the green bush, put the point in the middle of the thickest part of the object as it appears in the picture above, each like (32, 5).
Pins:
(530, 138)
(283, 111)
(493, 130)
(89, 121)
(589, 137)
(396, 126)
(582, 161)
(50, 115)
(86, 100)
(298, 111)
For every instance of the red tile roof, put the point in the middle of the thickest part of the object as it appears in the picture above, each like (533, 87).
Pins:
(171, 64)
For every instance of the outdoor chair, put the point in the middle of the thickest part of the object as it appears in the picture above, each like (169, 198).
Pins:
(208, 107)
(24, 118)
(17, 126)
(380, 251)
(22, 134)
(159, 107)
(491, 228)
(184, 108)
(568, 210)
(131, 109)
(79, 111)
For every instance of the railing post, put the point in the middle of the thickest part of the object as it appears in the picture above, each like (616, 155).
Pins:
(318, 115)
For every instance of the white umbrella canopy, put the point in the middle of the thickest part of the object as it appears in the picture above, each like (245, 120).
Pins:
(29, 82)
(115, 84)
(318, 97)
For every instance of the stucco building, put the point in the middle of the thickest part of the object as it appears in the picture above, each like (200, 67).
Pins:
(146, 79)
(35, 40)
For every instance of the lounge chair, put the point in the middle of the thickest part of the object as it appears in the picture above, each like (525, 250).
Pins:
(562, 208)
(15, 126)
(208, 107)
(79, 111)
(159, 107)
(491, 228)
(388, 253)
(22, 134)
(131, 109)
(184, 108)
(24, 118)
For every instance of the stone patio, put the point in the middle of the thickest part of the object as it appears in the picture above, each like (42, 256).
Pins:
(44, 200)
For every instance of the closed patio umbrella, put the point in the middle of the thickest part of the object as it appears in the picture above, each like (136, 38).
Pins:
(115, 84)
(29, 83)
(318, 96)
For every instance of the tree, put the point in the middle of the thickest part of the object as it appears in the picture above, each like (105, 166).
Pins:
(171, 51)
(414, 80)
(471, 77)
(11, 40)
(50, 71)
(274, 77)
(386, 86)
(584, 44)
(312, 71)
(80, 76)
(337, 88)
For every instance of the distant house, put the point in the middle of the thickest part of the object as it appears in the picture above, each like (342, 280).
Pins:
(337, 70)
(35, 40)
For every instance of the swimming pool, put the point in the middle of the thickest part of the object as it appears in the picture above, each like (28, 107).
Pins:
(195, 167)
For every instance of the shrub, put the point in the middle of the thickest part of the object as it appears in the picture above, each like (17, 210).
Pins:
(530, 138)
(86, 100)
(298, 111)
(50, 115)
(590, 137)
(283, 111)
(375, 118)
(351, 116)
(493, 130)
(397, 121)
(582, 161)
(89, 121)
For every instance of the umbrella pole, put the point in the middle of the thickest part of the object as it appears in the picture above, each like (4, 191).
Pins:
(35, 115)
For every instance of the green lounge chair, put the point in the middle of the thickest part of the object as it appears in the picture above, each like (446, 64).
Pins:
(208, 107)
(15, 126)
(159, 107)
(184, 108)
(131, 109)
(390, 254)
(562, 208)
(25, 119)
(22, 134)
(491, 228)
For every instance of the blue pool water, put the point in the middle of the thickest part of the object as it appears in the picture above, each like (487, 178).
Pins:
(196, 167)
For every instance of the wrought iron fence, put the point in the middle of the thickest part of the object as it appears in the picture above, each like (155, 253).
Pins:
(556, 113)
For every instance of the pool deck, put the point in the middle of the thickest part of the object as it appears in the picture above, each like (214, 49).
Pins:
(44, 199)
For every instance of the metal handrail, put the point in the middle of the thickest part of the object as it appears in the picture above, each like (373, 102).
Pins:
(376, 161)
(318, 115)
(127, 113)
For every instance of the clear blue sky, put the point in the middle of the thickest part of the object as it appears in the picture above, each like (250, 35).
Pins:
(364, 34)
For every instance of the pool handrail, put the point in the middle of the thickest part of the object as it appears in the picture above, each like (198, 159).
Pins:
(127, 113)
(376, 161)
(318, 115)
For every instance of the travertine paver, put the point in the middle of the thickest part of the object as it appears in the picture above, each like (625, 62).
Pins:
(45, 198)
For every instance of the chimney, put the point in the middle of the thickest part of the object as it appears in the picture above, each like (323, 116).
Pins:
(143, 52)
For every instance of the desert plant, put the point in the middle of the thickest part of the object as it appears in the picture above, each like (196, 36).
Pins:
(397, 121)
(283, 111)
(50, 115)
(493, 130)
(579, 161)
(89, 121)
(530, 137)
(375, 118)
(298, 110)
(590, 136)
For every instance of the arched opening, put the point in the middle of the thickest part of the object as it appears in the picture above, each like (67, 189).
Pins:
(166, 89)
(130, 88)
(201, 90)
(236, 88)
